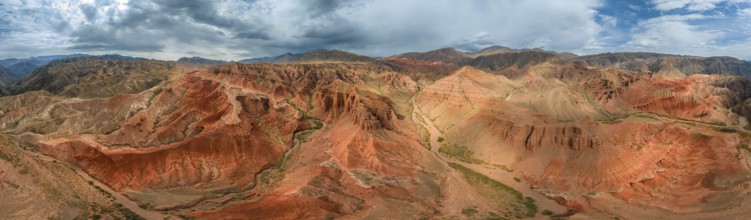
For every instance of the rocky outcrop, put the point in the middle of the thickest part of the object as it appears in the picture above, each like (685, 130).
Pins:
(370, 112)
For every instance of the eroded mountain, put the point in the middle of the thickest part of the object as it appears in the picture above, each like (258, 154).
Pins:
(517, 134)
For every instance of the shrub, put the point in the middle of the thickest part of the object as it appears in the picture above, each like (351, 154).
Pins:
(469, 211)
(547, 212)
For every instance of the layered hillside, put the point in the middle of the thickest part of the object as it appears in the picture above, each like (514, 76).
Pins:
(95, 76)
(444, 135)
(669, 65)
(7, 77)
(444, 55)
(319, 55)
(22, 67)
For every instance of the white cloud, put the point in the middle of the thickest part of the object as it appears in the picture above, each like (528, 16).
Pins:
(692, 5)
(691, 34)
(672, 36)
(671, 18)
(745, 12)
(609, 20)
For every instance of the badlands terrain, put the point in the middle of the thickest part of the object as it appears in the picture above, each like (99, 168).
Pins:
(493, 134)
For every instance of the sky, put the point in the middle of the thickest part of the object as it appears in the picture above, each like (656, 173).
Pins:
(239, 29)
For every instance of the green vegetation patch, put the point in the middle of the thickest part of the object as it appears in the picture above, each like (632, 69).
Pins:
(479, 180)
(503, 167)
(744, 134)
(441, 139)
(547, 212)
(461, 153)
(5, 157)
(469, 211)
(531, 205)
(127, 213)
(745, 147)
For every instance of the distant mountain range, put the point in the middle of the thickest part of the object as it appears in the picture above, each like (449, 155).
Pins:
(201, 60)
(19, 68)
(495, 59)
(313, 55)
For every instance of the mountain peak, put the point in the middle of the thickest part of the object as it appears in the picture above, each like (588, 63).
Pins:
(446, 55)
(200, 60)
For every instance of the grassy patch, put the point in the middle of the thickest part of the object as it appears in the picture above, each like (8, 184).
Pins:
(517, 179)
(11, 184)
(426, 138)
(477, 179)
(461, 153)
(127, 213)
(271, 176)
(108, 194)
(529, 202)
(440, 139)
(745, 147)
(503, 167)
(646, 117)
(5, 157)
(743, 134)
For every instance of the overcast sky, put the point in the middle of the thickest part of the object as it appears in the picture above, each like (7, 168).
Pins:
(238, 29)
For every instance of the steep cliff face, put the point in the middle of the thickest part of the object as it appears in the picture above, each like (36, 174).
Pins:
(369, 112)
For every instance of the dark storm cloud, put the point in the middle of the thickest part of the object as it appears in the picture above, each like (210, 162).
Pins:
(89, 12)
(253, 35)
(148, 26)
(96, 38)
(204, 12)
(334, 31)
(236, 29)
(322, 7)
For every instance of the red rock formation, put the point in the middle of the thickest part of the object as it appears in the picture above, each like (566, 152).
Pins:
(693, 98)
(194, 132)
(369, 111)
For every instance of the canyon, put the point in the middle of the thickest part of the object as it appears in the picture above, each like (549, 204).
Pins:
(498, 133)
